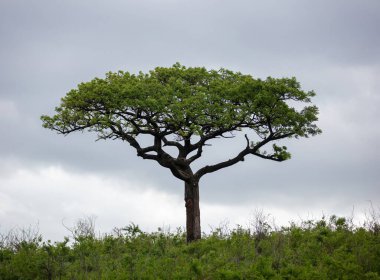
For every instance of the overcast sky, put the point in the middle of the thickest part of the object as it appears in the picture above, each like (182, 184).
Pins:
(48, 47)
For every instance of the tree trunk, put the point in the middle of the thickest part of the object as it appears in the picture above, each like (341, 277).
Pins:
(193, 218)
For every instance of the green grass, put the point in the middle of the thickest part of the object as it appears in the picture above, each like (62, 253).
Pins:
(324, 249)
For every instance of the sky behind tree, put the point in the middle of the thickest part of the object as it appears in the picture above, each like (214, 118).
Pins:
(48, 47)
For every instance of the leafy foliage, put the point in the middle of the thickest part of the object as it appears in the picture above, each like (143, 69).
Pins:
(184, 101)
(325, 249)
(177, 105)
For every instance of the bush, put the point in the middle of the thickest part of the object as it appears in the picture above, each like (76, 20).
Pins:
(324, 249)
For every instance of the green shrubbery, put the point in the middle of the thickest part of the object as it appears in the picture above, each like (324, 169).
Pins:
(325, 249)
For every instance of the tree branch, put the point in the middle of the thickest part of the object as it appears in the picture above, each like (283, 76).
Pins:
(207, 137)
(65, 131)
(271, 157)
(224, 164)
(172, 143)
(236, 159)
(196, 156)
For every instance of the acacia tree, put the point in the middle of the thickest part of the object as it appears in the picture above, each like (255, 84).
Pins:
(185, 108)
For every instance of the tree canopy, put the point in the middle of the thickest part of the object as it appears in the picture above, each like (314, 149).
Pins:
(178, 104)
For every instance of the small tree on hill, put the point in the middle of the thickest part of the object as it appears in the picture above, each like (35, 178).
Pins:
(185, 108)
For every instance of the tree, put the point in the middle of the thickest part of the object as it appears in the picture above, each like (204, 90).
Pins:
(186, 108)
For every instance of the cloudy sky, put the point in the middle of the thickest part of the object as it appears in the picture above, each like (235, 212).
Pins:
(48, 47)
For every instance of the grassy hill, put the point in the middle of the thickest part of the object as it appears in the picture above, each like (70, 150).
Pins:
(326, 249)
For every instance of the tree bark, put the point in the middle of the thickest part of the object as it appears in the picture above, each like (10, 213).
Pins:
(193, 218)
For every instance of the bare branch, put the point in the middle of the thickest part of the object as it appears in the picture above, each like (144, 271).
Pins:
(224, 164)
(172, 143)
(236, 159)
(196, 156)
(228, 137)
(246, 138)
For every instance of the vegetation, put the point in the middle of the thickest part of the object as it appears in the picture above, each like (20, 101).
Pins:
(325, 249)
(184, 109)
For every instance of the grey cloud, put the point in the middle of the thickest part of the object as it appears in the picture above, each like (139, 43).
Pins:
(48, 47)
